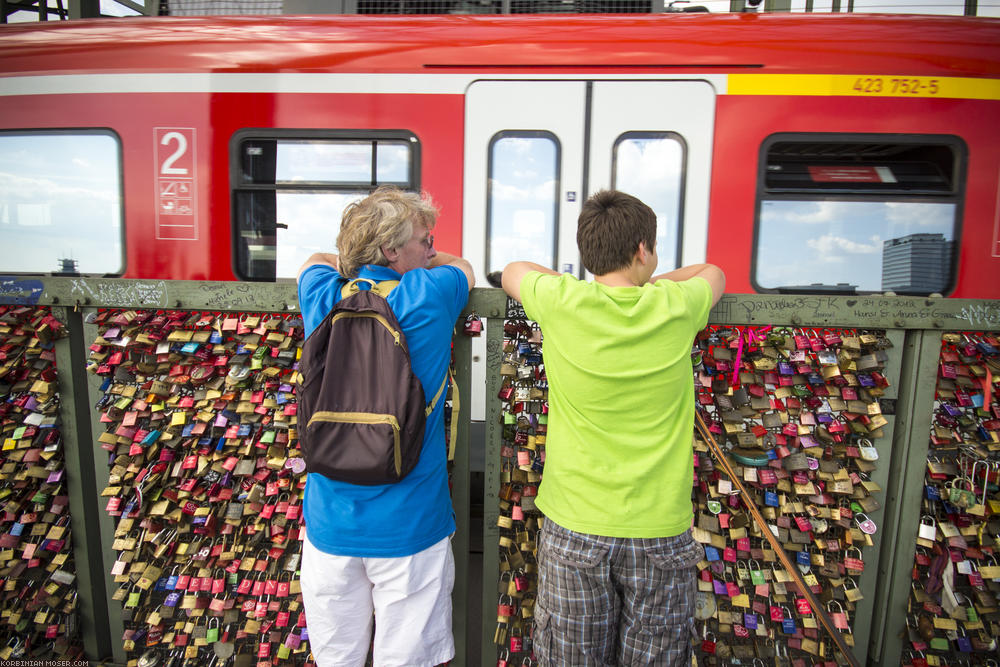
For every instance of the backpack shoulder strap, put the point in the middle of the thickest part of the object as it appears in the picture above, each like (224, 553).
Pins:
(385, 287)
(437, 396)
(453, 431)
(381, 288)
(354, 286)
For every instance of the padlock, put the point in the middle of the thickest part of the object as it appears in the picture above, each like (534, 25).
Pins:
(473, 325)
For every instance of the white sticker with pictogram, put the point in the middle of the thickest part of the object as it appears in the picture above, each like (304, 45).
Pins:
(176, 178)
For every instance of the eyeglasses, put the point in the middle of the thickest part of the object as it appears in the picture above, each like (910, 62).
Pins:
(428, 242)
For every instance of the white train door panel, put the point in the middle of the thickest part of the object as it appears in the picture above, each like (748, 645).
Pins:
(534, 150)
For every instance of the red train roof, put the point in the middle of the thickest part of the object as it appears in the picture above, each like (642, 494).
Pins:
(905, 44)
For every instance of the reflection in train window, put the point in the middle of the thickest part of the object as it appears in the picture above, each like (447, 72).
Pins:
(650, 166)
(522, 199)
(61, 202)
(869, 214)
(291, 189)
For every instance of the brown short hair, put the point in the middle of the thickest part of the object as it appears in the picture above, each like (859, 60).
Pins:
(610, 228)
(386, 218)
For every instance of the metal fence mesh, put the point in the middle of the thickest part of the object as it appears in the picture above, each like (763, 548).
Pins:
(501, 7)
(218, 7)
(215, 7)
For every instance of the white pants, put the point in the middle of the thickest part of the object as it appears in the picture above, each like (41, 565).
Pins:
(410, 598)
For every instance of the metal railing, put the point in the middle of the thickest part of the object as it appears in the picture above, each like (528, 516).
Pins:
(913, 325)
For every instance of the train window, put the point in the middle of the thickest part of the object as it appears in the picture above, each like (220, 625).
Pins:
(522, 198)
(650, 166)
(61, 202)
(858, 214)
(291, 188)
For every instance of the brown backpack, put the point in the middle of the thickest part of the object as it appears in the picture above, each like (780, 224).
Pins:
(361, 404)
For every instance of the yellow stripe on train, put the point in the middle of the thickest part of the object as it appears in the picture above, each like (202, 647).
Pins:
(864, 85)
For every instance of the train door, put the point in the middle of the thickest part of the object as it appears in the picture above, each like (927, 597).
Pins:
(534, 150)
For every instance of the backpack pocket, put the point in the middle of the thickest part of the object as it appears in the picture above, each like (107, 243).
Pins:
(357, 447)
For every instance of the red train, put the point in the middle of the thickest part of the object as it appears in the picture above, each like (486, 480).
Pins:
(803, 153)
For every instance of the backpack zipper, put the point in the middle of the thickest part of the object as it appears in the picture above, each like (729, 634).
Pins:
(381, 320)
(365, 418)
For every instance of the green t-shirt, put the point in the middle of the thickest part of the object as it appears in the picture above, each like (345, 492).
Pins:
(618, 452)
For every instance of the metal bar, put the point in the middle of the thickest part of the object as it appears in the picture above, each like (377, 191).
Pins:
(904, 493)
(460, 495)
(82, 488)
(84, 9)
(491, 482)
(135, 6)
(176, 294)
(865, 634)
(106, 524)
(876, 311)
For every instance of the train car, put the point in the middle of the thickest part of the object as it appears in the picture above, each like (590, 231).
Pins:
(803, 153)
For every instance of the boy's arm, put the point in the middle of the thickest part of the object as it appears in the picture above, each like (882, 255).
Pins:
(710, 272)
(443, 259)
(515, 272)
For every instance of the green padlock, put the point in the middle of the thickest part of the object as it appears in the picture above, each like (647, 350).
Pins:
(212, 633)
(961, 495)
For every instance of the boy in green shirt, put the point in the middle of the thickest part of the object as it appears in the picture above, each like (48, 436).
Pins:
(616, 558)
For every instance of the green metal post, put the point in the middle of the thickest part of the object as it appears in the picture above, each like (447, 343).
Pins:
(491, 485)
(460, 494)
(911, 440)
(82, 487)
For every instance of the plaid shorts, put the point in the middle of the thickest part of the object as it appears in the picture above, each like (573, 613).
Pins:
(614, 600)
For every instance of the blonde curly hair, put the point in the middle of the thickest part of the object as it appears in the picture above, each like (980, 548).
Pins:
(385, 218)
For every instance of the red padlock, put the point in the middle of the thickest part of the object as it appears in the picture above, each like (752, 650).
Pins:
(473, 325)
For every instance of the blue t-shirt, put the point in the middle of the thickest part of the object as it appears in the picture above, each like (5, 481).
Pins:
(391, 520)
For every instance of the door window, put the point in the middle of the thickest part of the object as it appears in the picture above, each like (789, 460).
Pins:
(522, 199)
(650, 166)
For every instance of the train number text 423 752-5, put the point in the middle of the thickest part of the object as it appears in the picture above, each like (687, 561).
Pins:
(884, 85)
